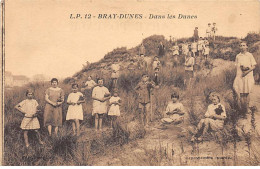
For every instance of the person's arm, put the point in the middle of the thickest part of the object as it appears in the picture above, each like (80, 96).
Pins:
(107, 95)
(61, 98)
(112, 102)
(94, 83)
(181, 111)
(248, 71)
(253, 63)
(119, 102)
(80, 101)
(85, 84)
(95, 98)
(137, 87)
(223, 115)
(18, 107)
(94, 95)
(69, 102)
(153, 85)
(207, 113)
(49, 101)
(167, 111)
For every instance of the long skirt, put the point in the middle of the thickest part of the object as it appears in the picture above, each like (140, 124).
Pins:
(52, 116)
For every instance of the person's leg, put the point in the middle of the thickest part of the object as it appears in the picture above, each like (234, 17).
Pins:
(96, 121)
(56, 129)
(243, 106)
(116, 82)
(141, 112)
(147, 113)
(100, 121)
(25, 135)
(73, 127)
(38, 136)
(49, 129)
(190, 75)
(77, 126)
(113, 82)
(111, 121)
(141, 116)
(200, 128)
(114, 121)
(247, 100)
(206, 127)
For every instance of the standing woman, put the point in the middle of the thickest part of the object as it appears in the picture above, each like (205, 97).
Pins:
(244, 81)
(100, 95)
(54, 96)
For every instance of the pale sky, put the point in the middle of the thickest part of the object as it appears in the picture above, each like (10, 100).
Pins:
(42, 39)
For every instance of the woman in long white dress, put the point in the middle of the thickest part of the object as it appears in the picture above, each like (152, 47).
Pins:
(244, 81)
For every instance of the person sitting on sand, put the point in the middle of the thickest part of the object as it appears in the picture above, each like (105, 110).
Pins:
(175, 111)
(214, 118)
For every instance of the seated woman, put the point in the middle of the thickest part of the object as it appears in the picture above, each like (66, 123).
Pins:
(214, 118)
(175, 111)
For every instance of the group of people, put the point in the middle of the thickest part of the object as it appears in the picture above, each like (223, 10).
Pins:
(54, 98)
(100, 95)
(210, 32)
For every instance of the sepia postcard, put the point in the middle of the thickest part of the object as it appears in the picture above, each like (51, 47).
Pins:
(130, 83)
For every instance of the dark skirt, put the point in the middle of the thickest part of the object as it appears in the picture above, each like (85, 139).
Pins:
(52, 116)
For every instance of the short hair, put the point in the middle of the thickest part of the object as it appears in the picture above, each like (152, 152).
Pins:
(131, 60)
(243, 42)
(175, 94)
(115, 90)
(156, 68)
(28, 91)
(75, 84)
(100, 79)
(214, 94)
(54, 80)
(144, 74)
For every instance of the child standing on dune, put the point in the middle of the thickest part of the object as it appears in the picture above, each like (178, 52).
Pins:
(114, 111)
(29, 107)
(75, 111)
(189, 64)
(143, 89)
